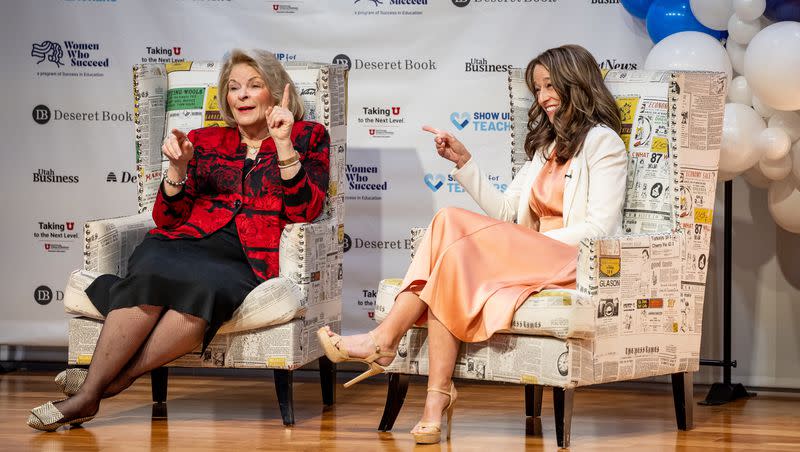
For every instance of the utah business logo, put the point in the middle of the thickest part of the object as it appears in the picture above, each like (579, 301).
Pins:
(482, 121)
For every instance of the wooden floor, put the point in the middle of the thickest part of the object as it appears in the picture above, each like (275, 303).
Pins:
(241, 414)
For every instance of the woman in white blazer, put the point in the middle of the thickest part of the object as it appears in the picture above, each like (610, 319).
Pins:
(471, 272)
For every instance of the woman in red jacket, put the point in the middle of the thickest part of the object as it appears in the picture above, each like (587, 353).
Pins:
(224, 200)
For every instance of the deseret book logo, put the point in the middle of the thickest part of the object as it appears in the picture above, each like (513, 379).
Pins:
(70, 59)
(50, 176)
(375, 244)
(42, 114)
(499, 3)
(44, 295)
(395, 64)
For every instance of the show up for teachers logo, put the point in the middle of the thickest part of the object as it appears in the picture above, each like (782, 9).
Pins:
(69, 59)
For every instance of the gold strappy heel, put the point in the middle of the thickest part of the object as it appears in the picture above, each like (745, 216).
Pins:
(337, 354)
(434, 433)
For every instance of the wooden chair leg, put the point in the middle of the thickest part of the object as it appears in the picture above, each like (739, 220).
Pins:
(533, 400)
(682, 394)
(327, 380)
(159, 378)
(283, 387)
(562, 407)
(395, 396)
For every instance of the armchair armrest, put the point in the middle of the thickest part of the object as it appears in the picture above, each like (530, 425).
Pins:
(109, 243)
(310, 256)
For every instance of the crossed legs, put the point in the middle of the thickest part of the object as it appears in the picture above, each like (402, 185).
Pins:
(132, 342)
(442, 347)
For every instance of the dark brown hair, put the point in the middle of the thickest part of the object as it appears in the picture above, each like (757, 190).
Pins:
(585, 102)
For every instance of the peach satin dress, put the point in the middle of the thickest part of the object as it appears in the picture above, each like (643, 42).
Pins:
(474, 271)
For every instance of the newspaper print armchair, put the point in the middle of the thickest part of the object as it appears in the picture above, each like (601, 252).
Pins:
(271, 328)
(637, 308)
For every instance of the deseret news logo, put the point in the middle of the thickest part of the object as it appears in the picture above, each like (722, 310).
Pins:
(483, 65)
(66, 55)
(375, 245)
(482, 121)
(405, 64)
(42, 115)
(124, 177)
(44, 295)
(613, 63)
(448, 183)
(49, 176)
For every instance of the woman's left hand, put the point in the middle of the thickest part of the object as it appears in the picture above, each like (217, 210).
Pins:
(280, 119)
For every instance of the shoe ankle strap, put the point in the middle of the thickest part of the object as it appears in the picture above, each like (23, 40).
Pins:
(442, 391)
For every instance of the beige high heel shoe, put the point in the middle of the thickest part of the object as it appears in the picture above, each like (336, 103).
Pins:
(337, 354)
(434, 433)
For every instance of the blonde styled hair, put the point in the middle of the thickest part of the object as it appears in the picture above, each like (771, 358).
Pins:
(269, 68)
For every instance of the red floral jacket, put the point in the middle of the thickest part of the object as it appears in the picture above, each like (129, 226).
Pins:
(265, 203)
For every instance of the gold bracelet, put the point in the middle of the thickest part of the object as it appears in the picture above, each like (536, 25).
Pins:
(289, 161)
(296, 162)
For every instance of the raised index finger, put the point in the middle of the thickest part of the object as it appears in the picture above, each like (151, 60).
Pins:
(179, 135)
(285, 99)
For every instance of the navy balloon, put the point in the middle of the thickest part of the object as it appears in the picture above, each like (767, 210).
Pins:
(666, 17)
(637, 8)
(780, 10)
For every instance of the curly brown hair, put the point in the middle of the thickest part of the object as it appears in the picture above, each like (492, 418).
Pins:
(585, 102)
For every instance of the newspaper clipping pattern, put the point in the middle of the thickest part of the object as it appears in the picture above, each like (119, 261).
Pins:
(646, 287)
(504, 357)
(306, 295)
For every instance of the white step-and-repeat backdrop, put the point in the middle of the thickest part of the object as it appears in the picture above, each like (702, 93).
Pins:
(67, 123)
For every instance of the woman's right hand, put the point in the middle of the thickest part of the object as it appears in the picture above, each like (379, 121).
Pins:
(178, 149)
(449, 147)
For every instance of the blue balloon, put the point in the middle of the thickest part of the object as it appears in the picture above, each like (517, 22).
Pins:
(666, 17)
(637, 8)
(780, 10)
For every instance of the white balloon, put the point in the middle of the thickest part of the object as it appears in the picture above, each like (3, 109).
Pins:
(783, 202)
(742, 31)
(756, 178)
(740, 128)
(689, 50)
(773, 144)
(789, 121)
(776, 169)
(772, 65)
(795, 151)
(739, 92)
(749, 9)
(714, 14)
(763, 109)
(736, 54)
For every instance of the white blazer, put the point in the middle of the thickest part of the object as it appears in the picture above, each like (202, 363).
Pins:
(594, 189)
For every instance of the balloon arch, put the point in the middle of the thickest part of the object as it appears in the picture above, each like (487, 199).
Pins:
(757, 43)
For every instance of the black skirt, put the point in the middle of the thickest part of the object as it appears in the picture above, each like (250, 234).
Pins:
(207, 278)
